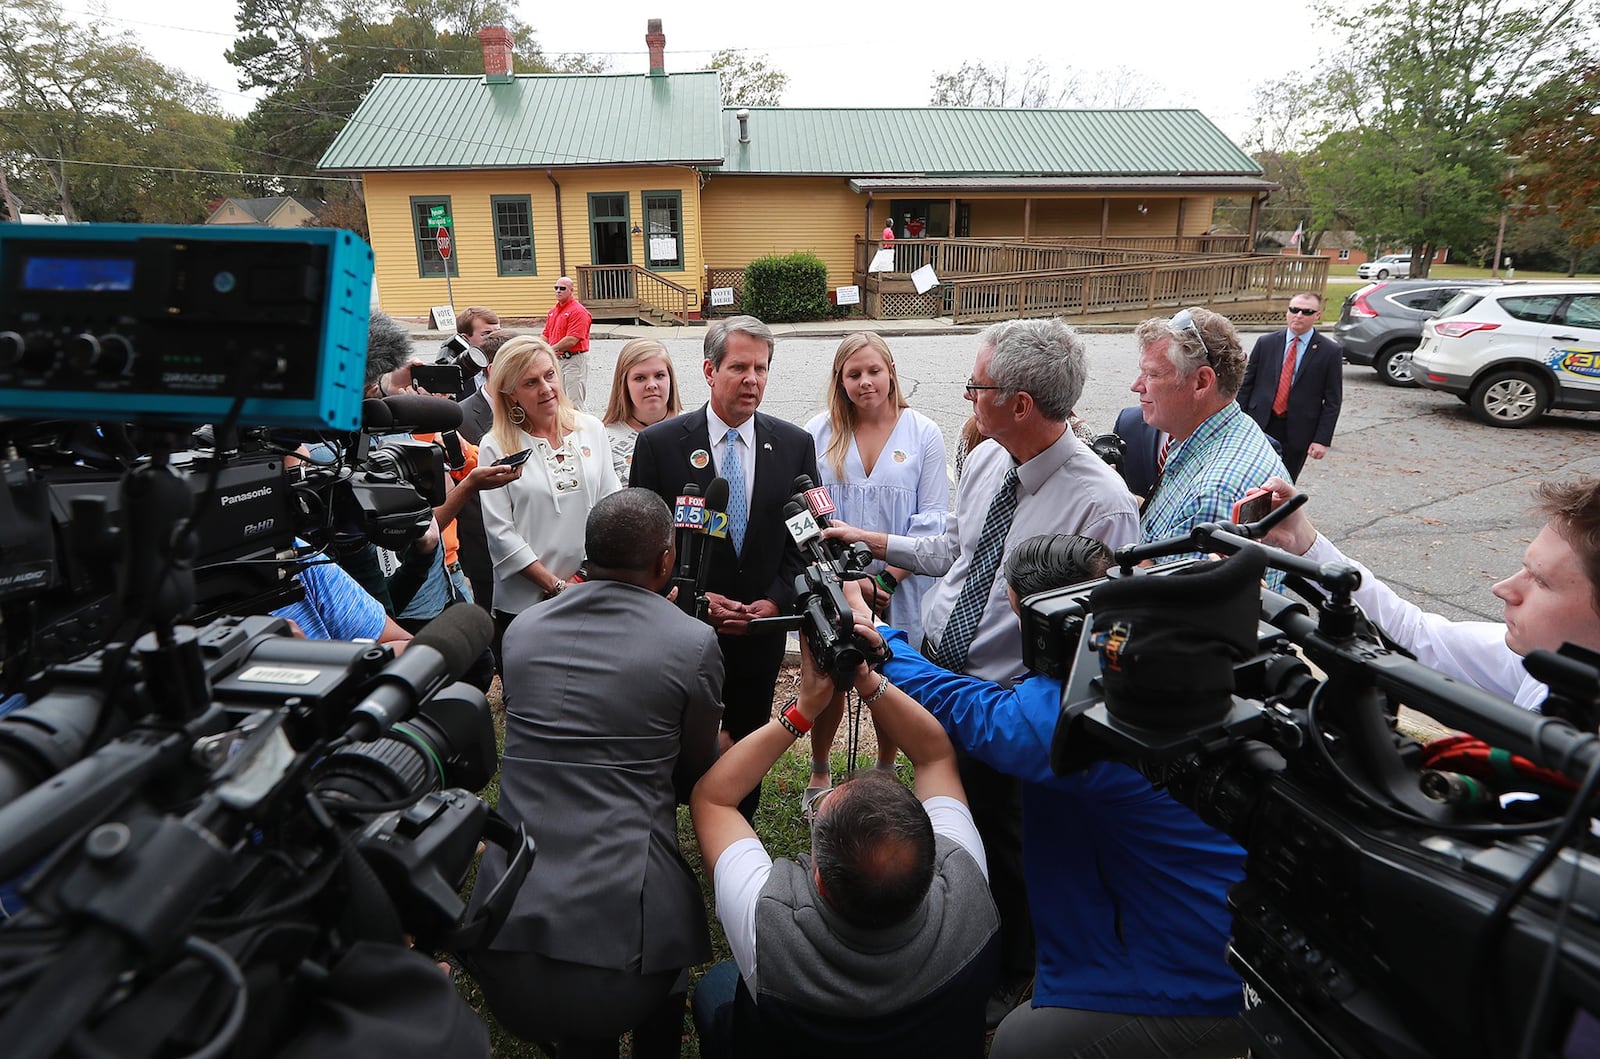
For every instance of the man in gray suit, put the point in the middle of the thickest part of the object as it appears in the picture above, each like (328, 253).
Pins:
(613, 700)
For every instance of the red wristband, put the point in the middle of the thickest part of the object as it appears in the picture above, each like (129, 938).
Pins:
(797, 720)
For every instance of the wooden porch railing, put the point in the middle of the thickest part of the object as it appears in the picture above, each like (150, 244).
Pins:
(1127, 288)
(635, 287)
(988, 257)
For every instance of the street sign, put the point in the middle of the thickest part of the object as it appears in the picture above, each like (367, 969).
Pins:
(438, 217)
(443, 238)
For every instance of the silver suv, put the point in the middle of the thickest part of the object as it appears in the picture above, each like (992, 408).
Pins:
(1396, 266)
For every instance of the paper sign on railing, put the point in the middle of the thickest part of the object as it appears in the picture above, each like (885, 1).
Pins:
(882, 261)
(721, 296)
(924, 279)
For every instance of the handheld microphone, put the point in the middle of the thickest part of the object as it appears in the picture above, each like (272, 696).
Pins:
(817, 499)
(438, 655)
(416, 413)
(688, 514)
(375, 414)
(805, 532)
(716, 525)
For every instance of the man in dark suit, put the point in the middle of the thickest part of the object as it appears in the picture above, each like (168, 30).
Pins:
(477, 417)
(1294, 384)
(603, 740)
(752, 570)
(1141, 450)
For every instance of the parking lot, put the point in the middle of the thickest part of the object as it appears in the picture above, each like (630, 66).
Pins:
(1436, 503)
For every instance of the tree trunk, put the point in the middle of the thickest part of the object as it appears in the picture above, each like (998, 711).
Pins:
(1422, 261)
(1572, 260)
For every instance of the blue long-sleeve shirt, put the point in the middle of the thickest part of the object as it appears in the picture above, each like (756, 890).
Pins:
(1127, 887)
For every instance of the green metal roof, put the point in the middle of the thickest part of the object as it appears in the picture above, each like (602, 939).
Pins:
(925, 141)
(453, 121)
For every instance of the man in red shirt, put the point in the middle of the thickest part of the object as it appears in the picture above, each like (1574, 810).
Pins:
(566, 328)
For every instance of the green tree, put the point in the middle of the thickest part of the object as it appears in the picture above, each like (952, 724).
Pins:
(748, 78)
(1558, 152)
(95, 116)
(1415, 105)
(299, 119)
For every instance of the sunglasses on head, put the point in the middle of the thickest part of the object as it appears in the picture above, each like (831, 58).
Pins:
(1183, 320)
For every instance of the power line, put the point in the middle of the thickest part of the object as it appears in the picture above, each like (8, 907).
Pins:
(198, 172)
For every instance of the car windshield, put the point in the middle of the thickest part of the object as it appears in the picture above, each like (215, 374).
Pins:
(1458, 305)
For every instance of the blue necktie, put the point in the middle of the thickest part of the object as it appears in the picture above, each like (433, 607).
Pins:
(962, 625)
(738, 505)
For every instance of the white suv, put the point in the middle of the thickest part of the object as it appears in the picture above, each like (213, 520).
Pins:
(1514, 351)
(1397, 266)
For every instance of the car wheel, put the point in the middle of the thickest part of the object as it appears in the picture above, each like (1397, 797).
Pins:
(1394, 364)
(1509, 399)
(1383, 273)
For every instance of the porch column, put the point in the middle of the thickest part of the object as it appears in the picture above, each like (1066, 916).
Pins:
(952, 232)
(1255, 219)
(1027, 218)
(1105, 219)
(1183, 209)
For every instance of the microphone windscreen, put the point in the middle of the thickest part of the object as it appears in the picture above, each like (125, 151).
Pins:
(374, 413)
(803, 482)
(460, 634)
(423, 414)
(717, 495)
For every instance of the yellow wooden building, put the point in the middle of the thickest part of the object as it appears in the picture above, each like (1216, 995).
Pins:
(649, 192)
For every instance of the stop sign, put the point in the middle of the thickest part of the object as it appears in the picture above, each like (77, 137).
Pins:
(443, 238)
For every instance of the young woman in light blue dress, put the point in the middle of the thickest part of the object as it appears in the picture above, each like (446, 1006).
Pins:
(884, 464)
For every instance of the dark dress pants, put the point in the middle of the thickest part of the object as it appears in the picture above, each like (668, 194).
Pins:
(751, 665)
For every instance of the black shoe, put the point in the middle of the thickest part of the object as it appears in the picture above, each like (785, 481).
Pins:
(1006, 996)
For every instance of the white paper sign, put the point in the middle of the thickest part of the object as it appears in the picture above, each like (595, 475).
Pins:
(721, 295)
(924, 279)
(444, 318)
(663, 248)
(847, 296)
(882, 261)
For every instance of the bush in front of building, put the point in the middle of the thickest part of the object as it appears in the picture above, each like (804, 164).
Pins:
(783, 288)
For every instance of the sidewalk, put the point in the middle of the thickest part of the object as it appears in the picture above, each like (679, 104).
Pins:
(422, 331)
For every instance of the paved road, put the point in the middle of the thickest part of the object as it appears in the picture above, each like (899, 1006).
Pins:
(1433, 501)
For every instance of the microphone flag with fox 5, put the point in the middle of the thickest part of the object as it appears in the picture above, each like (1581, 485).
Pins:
(818, 501)
(420, 414)
(688, 514)
(716, 505)
(438, 655)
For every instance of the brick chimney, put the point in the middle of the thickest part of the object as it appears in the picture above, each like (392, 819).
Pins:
(656, 41)
(496, 54)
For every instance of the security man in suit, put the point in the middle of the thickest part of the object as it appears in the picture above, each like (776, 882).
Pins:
(1294, 384)
(1141, 450)
(753, 569)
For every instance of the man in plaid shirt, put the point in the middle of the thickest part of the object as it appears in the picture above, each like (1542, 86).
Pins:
(1190, 368)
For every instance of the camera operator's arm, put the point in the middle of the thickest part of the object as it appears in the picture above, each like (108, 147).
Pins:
(1473, 651)
(916, 731)
(714, 805)
(481, 478)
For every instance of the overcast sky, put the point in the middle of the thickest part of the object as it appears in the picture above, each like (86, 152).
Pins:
(1190, 55)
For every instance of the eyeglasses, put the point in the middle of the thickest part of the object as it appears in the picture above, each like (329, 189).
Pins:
(973, 388)
(1303, 312)
(563, 288)
(1183, 320)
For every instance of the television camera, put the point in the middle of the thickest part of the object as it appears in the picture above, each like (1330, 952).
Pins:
(1399, 900)
(213, 825)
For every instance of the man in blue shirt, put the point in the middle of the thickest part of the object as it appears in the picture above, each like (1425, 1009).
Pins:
(336, 607)
(1127, 888)
(1190, 368)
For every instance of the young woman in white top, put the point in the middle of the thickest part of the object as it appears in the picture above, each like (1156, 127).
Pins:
(644, 391)
(884, 465)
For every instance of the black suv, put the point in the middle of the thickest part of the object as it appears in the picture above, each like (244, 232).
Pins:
(1381, 323)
